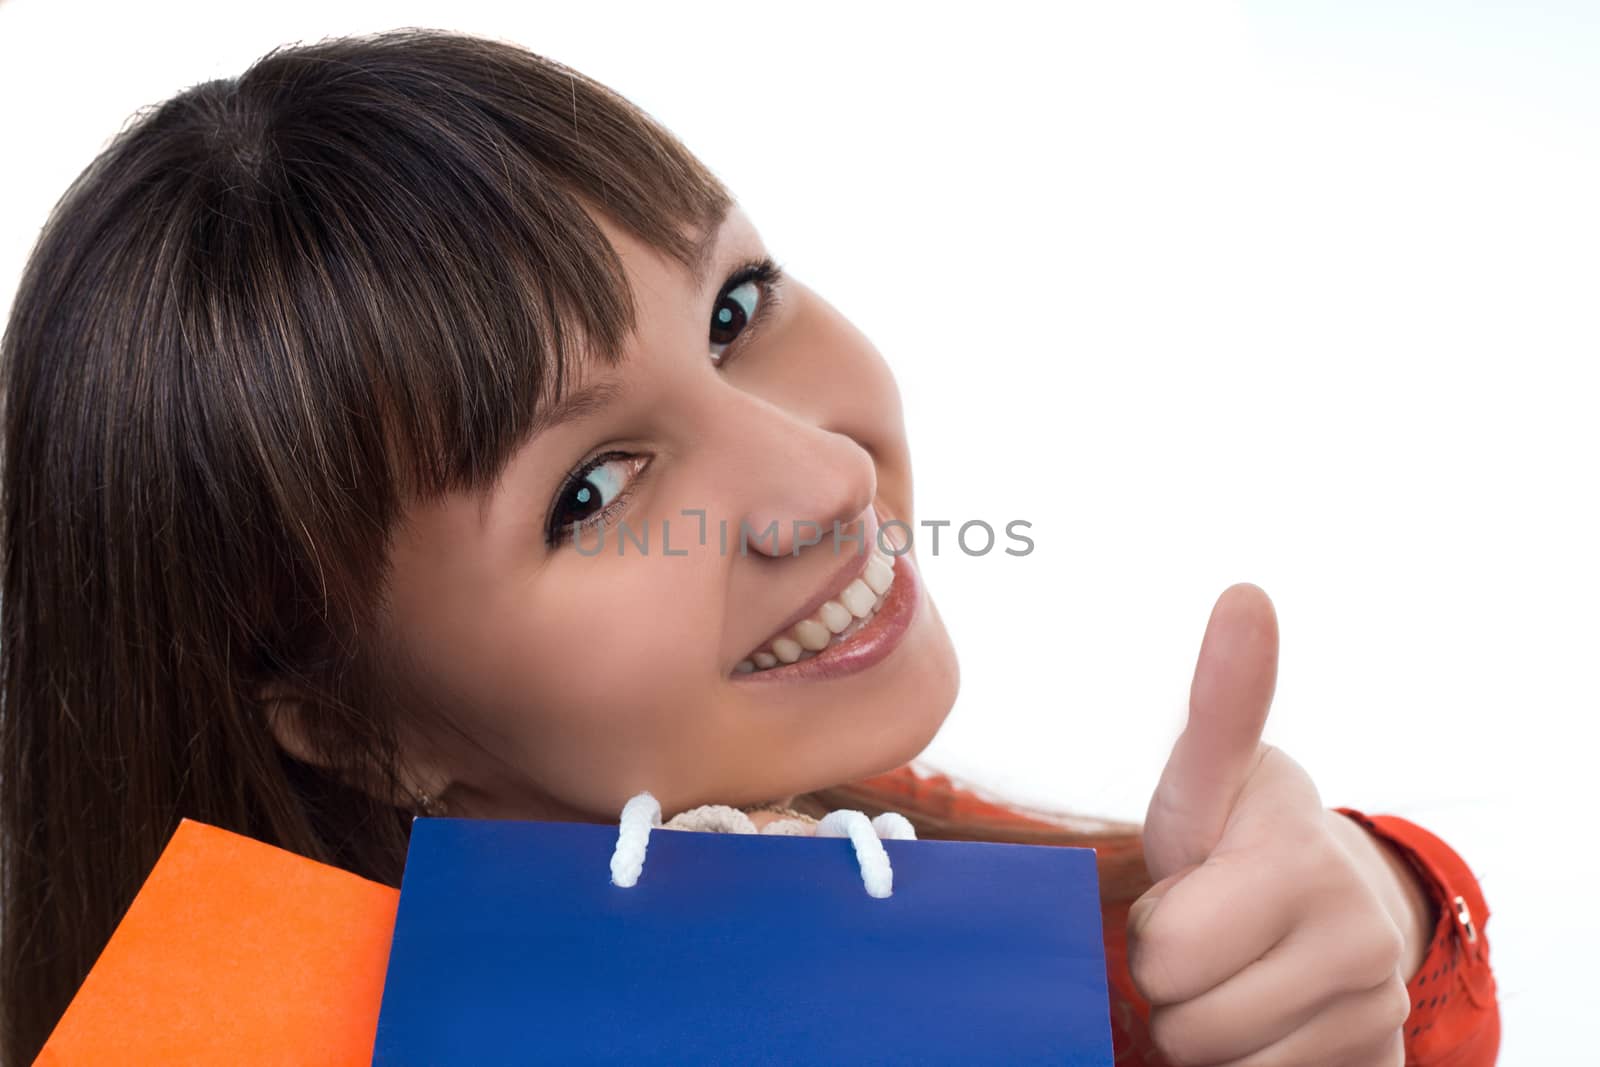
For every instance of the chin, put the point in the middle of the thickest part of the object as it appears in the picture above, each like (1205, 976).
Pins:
(923, 713)
(902, 723)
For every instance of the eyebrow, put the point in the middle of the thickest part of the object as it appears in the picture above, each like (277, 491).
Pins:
(700, 253)
(582, 401)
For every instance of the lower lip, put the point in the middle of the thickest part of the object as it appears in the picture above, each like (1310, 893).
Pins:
(870, 645)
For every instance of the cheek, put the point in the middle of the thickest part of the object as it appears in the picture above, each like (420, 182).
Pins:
(604, 646)
(598, 675)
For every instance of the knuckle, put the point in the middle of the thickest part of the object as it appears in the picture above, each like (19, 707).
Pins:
(1172, 1032)
(1378, 951)
(1391, 945)
(1395, 1003)
(1390, 1052)
(1384, 1009)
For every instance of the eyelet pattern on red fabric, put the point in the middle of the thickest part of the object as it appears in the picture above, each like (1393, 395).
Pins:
(1455, 1014)
(1455, 1017)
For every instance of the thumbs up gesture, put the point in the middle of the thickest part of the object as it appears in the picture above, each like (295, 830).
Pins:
(1275, 932)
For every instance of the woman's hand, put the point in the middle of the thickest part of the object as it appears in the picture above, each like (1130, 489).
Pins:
(1270, 937)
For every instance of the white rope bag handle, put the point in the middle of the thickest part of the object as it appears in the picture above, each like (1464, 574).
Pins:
(642, 814)
(639, 816)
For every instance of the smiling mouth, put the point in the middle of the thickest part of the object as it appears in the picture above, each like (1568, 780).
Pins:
(836, 621)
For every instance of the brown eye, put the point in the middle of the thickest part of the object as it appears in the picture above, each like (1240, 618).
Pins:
(587, 495)
(733, 313)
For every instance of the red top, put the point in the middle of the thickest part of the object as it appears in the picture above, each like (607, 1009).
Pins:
(1455, 1018)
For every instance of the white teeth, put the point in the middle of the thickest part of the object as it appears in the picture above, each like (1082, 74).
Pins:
(859, 598)
(879, 575)
(812, 635)
(835, 616)
(847, 612)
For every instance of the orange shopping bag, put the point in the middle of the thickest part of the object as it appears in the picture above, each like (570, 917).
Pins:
(235, 952)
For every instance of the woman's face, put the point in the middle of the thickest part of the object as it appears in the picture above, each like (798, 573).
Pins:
(583, 670)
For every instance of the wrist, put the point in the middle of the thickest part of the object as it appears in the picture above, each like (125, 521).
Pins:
(1399, 887)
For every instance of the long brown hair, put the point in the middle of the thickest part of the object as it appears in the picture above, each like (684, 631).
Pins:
(273, 310)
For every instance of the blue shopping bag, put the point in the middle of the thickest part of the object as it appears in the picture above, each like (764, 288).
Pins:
(512, 946)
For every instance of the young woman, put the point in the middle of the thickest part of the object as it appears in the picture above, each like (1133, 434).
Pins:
(331, 392)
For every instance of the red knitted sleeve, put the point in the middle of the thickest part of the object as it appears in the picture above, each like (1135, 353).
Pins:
(1455, 1016)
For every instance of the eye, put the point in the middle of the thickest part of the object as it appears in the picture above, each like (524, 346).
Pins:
(746, 300)
(732, 313)
(591, 494)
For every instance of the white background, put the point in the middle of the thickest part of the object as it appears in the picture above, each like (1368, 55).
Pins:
(1302, 294)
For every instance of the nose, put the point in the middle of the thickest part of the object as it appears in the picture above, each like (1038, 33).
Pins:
(797, 479)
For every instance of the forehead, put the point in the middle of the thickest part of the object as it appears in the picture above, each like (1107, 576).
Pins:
(651, 269)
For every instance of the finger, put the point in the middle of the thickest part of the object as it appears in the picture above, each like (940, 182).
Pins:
(1390, 1052)
(1198, 935)
(1234, 679)
(1139, 911)
(1279, 993)
(1362, 1029)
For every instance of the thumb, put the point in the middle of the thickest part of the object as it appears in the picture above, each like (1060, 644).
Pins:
(1230, 696)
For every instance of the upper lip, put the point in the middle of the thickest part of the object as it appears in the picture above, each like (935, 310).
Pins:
(853, 566)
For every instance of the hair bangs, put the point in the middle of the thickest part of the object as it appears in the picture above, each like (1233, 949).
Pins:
(429, 201)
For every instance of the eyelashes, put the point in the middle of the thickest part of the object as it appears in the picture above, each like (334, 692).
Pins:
(593, 494)
(761, 280)
(598, 490)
